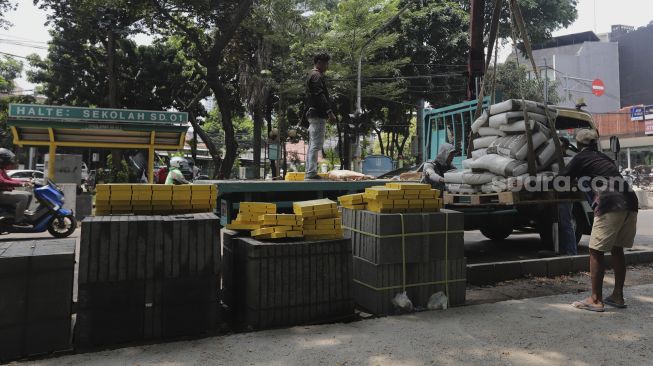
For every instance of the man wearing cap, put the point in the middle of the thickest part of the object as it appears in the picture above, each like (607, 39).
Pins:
(615, 218)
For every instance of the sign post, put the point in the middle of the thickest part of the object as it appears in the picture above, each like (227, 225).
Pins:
(598, 87)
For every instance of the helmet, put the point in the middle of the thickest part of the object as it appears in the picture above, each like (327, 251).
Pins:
(7, 157)
(177, 162)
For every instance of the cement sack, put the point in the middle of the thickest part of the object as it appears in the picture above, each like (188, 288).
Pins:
(517, 105)
(517, 127)
(483, 142)
(467, 163)
(348, 175)
(461, 188)
(515, 146)
(501, 165)
(489, 131)
(455, 176)
(478, 178)
(480, 122)
(545, 155)
(495, 186)
(478, 153)
(511, 117)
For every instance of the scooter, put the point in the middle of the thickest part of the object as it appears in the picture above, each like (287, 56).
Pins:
(49, 215)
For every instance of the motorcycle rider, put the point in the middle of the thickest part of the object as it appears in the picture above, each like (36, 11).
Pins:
(8, 196)
(175, 176)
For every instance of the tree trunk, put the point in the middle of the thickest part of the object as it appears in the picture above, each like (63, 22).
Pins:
(224, 100)
(256, 141)
(379, 133)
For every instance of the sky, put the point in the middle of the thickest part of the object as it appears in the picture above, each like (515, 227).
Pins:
(596, 15)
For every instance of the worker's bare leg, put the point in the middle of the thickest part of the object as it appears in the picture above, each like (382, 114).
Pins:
(619, 266)
(597, 271)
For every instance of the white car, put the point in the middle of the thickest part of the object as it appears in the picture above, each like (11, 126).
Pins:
(25, 174)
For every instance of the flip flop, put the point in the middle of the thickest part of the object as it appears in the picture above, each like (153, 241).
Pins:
(585, 306)
(609, 301)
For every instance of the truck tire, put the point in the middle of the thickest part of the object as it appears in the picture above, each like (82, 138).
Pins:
(497, 232)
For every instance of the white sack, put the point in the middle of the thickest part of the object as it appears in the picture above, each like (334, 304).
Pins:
(516, 105)
(512, 117)
(483, 142)
(478, 153)
(461, 188)
(545, 155)
(495, 186)
(519, 126)
(478, 178)
(481, 121)
(455, 176)
(467, 163)
(515, 146)
(489, 131)
(500, 165)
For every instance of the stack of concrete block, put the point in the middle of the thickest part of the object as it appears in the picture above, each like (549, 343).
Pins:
(36, 293)
(431, 257)
(147, 277)
(282, 284)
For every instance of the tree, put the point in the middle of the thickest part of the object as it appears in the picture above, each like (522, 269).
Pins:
(10, 69)
(513, 82)
(6, 6)
(206, 31)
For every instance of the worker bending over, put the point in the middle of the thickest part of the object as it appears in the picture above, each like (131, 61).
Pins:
(434, 170)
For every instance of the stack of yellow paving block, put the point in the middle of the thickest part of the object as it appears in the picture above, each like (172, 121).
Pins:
(321, 219)
(295, 176)
(355, 201)
(249, 215)
(402, 197)
(277, 226)
(146, 199)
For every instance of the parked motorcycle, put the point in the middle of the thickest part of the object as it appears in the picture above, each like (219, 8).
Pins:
(49, 215)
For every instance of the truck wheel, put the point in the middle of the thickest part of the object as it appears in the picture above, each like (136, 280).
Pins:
(497, 233)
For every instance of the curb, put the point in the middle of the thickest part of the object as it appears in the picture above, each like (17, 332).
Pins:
(491, 273)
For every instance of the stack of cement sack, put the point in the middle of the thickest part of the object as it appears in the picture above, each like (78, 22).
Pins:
(499, 159)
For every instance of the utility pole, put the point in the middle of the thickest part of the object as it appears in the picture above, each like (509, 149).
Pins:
(546, 83)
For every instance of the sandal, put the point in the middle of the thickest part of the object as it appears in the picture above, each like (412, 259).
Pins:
(609, 301)
(582, 305)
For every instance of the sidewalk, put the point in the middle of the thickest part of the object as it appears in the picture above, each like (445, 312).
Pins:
(539, 331)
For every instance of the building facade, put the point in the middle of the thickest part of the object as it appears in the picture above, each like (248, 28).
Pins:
(574, 61)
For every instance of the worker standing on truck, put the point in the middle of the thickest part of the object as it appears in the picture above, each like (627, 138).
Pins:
(615, 218)
(434, 170)
(319, 110)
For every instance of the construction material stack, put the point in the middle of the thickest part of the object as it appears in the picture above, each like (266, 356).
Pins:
(499, 161)
(416, 253)
(295, 176)
(271, 280)
(395, 198)
(158, 199)
(249, 214)
(147, 278)
(321, 219)
(36, 295)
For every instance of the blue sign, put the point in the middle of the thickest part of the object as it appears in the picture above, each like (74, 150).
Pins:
(641, 113)
(636, 113)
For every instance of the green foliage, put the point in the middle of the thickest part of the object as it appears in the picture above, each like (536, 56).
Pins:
(513, 82)
(6, 137)
(10, 69)
(6, 6)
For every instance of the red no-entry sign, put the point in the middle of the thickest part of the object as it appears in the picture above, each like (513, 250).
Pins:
(598, 88)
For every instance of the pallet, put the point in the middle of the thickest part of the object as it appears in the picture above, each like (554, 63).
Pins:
(501, 198)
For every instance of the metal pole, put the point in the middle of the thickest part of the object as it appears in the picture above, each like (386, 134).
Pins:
(359, 108)
(546, 83)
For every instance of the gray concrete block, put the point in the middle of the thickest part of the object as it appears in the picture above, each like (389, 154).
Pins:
(481, 274)
(534, 267)
(558, 266)
(645, 257)
(580, 263)
(505, 271)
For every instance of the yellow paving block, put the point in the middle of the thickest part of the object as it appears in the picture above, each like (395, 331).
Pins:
(117, 187)
(352, 199)
(242, 226)
(408, 186)
(161, 188)
(295, 234)
(262, 231)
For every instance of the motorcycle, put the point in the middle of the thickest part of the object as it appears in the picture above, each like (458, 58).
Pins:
(49, 215)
